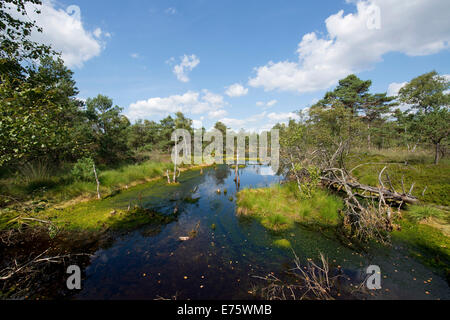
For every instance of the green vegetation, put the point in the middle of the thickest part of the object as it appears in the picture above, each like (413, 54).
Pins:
(282, 243)
(425, 241)
(422, 212)
(65, 186)
(414, 168)
(278, 208)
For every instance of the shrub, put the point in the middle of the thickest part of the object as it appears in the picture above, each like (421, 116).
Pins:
(83, 170)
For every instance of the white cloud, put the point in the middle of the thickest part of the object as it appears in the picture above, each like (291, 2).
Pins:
(235, 124)
(236, 90)
(282, 116)
(197, 124)
(190, 102)
(187, 64)
(259, 122)
(134, 55)
(98, 32)
(394, 88)
(266, 105)
(271, 103)
(415, 28)
(217, 114)
(65, 32)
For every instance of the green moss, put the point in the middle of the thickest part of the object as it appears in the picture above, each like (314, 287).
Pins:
(136, 218)
(112, 212)
(426, 243)
(282, 243)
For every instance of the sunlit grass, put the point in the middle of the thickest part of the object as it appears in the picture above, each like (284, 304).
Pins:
(278, 208)
(62, 187)
(423, 212)
(431, 182)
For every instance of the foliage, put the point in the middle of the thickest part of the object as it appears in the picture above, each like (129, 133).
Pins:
(15, 31)
(83, 170)
(40, 115)
(429, 95)
(109, 129)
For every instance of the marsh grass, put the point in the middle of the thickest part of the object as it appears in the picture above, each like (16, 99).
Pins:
(417, 168)
(40, 180)
(278, 208)
(422, 212)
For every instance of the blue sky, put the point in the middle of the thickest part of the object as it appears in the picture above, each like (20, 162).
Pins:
(284, 52)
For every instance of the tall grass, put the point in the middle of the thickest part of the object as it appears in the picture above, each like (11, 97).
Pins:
(417, 168)
(131, 173)
(41, 180)
(419, 213)
(279, 207)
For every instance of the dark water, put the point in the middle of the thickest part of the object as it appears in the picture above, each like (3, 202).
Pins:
(222, 260)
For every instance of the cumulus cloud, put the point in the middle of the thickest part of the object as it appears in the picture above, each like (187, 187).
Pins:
(236, 90)
(394, 88)
(354, 43)
(259, 122)
(266, 105)
(65, 32)
(271, 103)
(191, 102)
(282, 116)
(197, 124)
(217, 114)
(187, 64)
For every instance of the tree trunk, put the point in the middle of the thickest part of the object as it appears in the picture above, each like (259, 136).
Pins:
(98, 183)
(436, 157)
(368, 136)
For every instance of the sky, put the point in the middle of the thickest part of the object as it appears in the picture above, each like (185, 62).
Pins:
(249, 64)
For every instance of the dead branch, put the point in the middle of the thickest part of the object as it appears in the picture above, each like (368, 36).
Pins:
(350, 182)
(311, 281)
(31, 265)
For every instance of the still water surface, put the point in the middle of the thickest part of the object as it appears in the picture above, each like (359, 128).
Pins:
(222, 260)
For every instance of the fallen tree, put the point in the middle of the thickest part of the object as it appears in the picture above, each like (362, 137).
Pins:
(368, 209)
(339, 181)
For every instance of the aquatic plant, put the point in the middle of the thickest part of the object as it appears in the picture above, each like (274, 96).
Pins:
(282, 243)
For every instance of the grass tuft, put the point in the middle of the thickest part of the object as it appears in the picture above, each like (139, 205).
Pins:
(278, 208)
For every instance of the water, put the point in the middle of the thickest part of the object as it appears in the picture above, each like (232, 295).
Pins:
(221, 262)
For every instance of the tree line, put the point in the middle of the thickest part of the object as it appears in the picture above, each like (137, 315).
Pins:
(418, 116)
